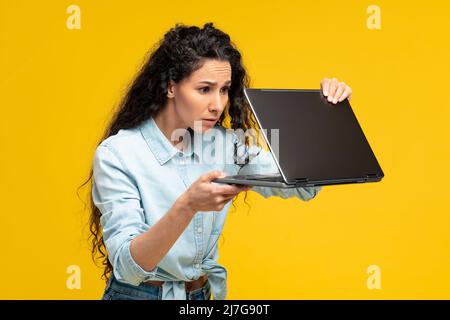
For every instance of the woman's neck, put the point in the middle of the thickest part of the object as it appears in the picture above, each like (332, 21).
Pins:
(168, 121)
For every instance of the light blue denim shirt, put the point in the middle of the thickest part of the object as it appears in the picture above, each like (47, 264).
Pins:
(138, 175)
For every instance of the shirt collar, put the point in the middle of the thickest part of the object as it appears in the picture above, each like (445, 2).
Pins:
(158, 143)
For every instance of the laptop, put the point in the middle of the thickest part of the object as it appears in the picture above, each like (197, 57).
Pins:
(319, 143)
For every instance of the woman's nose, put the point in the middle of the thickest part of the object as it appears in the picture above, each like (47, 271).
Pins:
(216, 104)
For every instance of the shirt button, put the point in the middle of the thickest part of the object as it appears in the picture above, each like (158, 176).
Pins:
(197, 265)
(199, 229)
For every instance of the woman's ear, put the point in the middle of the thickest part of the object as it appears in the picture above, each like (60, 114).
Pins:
(171, 89)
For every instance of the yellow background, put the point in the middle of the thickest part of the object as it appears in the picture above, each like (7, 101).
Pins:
(58, 87)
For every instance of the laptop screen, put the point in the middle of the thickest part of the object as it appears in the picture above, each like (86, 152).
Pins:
(317, 140)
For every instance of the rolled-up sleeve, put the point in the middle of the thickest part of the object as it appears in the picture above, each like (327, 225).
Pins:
(115, 194)
(262, 162)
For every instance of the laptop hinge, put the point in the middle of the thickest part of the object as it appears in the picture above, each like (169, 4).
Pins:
(371, 175)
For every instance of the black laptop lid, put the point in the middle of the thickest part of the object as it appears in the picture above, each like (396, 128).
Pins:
(318, 140)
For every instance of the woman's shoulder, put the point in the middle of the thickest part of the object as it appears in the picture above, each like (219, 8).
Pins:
(123, 138)
(124, 148)
(124, 142)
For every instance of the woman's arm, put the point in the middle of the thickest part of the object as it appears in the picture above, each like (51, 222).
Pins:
(148, 248)
(134, 247)
(123, 221)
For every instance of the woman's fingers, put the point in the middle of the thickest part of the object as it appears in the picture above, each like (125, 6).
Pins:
(325, 85)
(334, 90)
(222, 201)
(231, 190)
(339, 92)
(227, 198)
(347, 94)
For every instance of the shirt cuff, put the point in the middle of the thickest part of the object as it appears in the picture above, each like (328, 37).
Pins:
(134, 272)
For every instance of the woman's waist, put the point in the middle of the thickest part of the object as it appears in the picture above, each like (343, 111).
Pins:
(189, 285)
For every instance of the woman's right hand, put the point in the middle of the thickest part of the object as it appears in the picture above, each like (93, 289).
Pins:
(203, 195)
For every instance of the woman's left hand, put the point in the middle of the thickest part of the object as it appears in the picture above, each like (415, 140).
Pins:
(335, 91)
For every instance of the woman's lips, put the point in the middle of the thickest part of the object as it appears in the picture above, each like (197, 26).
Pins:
(210, 121)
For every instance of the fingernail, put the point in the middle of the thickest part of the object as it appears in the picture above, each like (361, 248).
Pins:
(325, 93)
(335, 100)
(329, 98)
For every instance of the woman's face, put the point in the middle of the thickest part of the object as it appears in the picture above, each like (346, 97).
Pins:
(203, 95)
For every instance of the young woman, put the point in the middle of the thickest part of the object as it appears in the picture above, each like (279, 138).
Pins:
(154, 206)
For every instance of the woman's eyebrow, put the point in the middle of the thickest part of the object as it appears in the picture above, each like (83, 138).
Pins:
(214, 82)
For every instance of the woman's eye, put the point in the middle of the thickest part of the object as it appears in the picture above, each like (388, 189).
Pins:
(206, 89)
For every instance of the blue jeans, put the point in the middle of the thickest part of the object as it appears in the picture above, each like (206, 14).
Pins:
(116, 290)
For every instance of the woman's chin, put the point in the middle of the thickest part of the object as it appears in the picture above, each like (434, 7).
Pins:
(204, 127)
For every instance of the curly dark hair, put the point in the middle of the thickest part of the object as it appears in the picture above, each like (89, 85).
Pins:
(182, 51)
